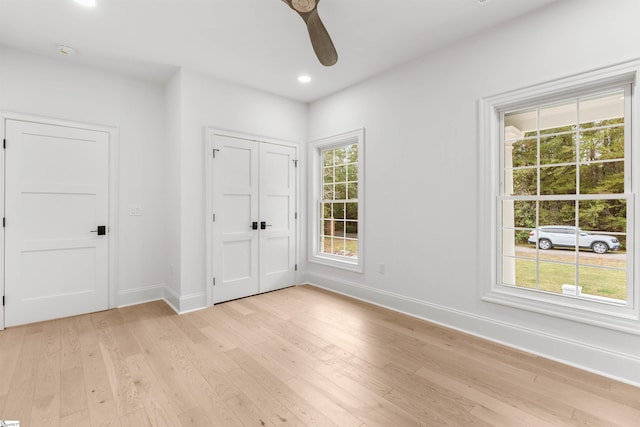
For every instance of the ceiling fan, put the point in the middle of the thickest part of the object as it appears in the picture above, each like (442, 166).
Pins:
(320, 40)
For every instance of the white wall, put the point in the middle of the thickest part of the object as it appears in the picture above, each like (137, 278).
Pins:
(173, 116)
(421, 183)
(207, 102)
(57, 89)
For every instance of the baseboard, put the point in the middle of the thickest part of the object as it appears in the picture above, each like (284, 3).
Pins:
(193, 302)
(598, 360)
(140, 295)
(179, 304)
(172, 299)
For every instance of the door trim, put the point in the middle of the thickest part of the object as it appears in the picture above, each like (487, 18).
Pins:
(211, 133)
(114, 145)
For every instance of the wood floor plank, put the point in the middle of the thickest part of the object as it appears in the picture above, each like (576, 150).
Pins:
(246, 411)
(2, 400)
(124, 391)
(274, 307)
(276, 412)
(241, 307)
(486, 406)
(71, 356)
(414, 394)
(281, 391)
(188, 328)
(208, 390)
(512, 391)
(137, 418)
(368, 410)
(72, 392)
(100, 396)
(46, 411)
(148, 386)
(493, 418)
(220, 337)
(317, 398)
(177, 392)
(77, 419)
(588, 402)
(195, 417)
(173, 350)
(300, 356)
(48, 370)
(206, 356)
(377, 403)
(126, 342)
(10, 344)
(361, 371)
(19, 402)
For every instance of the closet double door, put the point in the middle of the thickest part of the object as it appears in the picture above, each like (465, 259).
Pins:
(254, 217)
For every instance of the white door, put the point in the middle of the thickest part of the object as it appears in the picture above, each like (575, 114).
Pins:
(56, 200)
(236, 177)
(254, 232)
(277, 210)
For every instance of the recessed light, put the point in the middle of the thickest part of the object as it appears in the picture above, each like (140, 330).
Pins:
(86, 3)
(304, 78)
(66, 50)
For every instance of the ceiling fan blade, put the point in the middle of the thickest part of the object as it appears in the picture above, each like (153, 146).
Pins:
(320, 40)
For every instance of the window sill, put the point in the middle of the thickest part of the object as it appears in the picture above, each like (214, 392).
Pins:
(610, 316)
(329, 261)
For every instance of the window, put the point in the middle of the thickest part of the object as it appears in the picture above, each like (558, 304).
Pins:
(337, 201)
(562, 185)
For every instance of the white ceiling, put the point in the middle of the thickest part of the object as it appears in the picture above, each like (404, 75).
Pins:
(257, 43)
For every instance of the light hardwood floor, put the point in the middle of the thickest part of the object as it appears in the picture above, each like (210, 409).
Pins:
(299, 356)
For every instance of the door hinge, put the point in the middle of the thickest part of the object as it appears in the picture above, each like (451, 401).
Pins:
(4, 222)
(3, 300)
(295, 162)
(214, 152)
(214, 281)
(4, 143)
(296, 267)
(295, 216)
(214, 217)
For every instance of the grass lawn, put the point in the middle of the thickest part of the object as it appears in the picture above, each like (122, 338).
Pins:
(608, 282)
(340, 248)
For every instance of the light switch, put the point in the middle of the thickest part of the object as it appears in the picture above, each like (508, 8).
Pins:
(135, 210)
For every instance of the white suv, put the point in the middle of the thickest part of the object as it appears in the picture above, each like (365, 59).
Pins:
(565, 236)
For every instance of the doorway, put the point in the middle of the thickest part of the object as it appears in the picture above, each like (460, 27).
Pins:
(56, 220)
(252, 199)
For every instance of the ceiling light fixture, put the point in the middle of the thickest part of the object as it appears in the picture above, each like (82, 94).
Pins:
(304, 78)
(86, 3)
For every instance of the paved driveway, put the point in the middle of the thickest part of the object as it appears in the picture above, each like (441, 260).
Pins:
(614, 255)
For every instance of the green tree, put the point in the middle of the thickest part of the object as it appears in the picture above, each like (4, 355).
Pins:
(600, 157)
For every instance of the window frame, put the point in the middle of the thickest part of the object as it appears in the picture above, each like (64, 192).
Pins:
(355, 137)
(491, 168)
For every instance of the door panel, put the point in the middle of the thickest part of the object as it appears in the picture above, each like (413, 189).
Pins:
(277, 208)
(56, 194)
(235, 202)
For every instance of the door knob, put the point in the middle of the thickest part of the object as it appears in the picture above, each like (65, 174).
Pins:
(264, 225)
(254, 225)
(102, 230)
